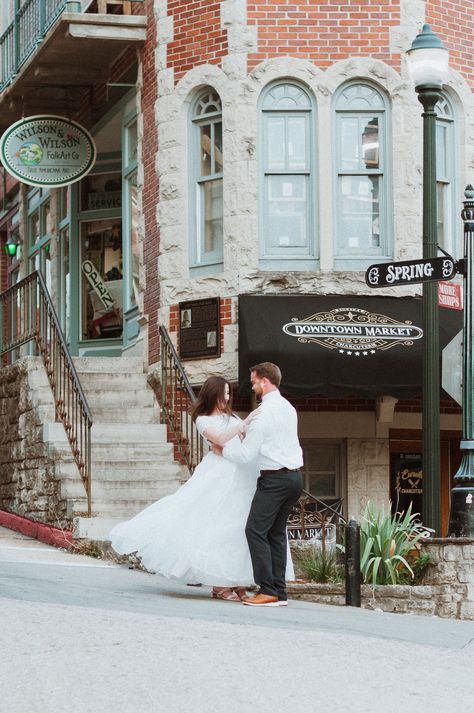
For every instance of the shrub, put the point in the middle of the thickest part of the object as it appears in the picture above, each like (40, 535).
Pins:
(385, 543)
(320, 565)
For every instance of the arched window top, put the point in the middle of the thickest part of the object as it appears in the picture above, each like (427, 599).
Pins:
(444, 109)
(208, 102)
(360, 97)
(285, 96)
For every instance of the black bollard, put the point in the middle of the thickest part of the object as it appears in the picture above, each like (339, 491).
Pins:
(353, 576)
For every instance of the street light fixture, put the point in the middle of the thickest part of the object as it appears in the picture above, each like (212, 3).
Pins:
(427, 61)
(11, 247)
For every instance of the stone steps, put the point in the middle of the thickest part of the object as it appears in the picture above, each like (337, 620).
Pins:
(132, 463)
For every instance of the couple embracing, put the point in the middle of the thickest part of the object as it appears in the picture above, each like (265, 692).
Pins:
(226, 526)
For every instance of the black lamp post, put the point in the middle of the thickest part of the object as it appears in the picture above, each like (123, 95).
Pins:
(427, 66)
(461, 521)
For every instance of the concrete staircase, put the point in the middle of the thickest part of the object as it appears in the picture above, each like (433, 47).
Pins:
(132, 462)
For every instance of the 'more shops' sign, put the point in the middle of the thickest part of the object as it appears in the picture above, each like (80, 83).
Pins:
(47, 151)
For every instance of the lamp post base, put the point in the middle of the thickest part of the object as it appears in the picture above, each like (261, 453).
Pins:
(461, 521)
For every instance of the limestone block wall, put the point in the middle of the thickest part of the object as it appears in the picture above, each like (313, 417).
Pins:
(447, 589)
(29, 485)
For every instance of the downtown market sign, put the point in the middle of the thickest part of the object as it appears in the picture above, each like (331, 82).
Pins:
(47, 150)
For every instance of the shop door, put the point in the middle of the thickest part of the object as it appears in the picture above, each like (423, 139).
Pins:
(406, 475)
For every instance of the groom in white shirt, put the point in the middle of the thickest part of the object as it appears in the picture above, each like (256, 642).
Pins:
(271, 440)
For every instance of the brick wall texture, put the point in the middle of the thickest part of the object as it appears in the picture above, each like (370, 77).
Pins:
(324, 32)
(198, 37)
(150, 186)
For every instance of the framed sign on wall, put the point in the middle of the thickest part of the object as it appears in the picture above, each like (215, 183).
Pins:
(199, 329)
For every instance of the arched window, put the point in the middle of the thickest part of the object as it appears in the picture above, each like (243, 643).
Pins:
(206, 169)
(363, 227)
(445, 175)
(287, 207)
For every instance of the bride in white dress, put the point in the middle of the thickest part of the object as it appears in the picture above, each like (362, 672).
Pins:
(198, 533)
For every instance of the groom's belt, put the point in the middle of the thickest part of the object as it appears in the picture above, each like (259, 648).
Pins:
(279, 470)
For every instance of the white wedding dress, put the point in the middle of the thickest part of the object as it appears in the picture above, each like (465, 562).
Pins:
(198, 533)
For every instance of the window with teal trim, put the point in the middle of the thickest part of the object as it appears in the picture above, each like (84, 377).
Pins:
(287, 174)
(446, 176)
(207, 173)
(39, 232)
(362, 191)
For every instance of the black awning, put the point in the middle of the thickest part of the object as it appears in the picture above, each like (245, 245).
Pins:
(338, 345)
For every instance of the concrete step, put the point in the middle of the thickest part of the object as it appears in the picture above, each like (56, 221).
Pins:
(119, 381)
(149, 433)
(151, 471)
(146, 415)
(123, 492)
(90, 365)
(105, 398)
(94, 528)
(130, 453)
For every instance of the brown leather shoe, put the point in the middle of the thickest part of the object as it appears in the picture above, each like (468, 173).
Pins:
(261, 600)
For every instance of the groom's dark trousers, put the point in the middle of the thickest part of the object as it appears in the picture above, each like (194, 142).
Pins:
(277, 492)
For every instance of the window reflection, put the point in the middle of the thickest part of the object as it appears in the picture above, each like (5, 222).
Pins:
(102, 282)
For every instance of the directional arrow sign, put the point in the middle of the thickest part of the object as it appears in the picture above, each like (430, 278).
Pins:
(389, 274)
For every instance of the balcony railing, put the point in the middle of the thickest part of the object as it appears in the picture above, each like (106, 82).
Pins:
(31, 22)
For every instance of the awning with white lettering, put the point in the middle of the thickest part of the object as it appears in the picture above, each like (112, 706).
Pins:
(338, 345)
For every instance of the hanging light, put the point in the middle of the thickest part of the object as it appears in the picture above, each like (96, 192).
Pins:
(427, 59)
(11, 246)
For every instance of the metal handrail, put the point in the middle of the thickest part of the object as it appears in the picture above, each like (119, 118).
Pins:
(176, 398)
(27, 315)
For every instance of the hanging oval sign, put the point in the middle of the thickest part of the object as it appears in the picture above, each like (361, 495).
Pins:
(47, 151)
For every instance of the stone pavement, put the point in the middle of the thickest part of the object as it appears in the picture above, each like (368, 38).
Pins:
(82, 635)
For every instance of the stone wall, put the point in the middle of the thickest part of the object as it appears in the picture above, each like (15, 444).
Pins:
(29, 484)
(447, 589)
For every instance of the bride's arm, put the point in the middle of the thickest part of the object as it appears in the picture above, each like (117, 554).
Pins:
(221, 438)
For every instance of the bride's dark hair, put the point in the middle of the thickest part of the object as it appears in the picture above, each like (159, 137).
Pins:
(212, 394)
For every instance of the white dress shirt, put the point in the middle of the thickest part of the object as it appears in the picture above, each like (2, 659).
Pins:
(272, 437)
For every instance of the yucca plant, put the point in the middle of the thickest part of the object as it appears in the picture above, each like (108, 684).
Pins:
(385, 541)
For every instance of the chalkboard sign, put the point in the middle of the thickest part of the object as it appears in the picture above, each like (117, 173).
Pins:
(199, 329)
(406, 481)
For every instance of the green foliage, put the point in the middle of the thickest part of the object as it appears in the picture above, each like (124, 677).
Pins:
(320, 565)
(418, 565)
(385, 544)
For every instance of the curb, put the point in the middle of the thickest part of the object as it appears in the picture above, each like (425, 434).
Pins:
(37, 530)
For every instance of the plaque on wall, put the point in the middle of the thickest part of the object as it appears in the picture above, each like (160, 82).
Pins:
(199, 329)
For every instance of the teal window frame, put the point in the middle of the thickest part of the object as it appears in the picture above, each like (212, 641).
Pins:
(129, 176)
(306, 257)
(64, 229)
(358, 108)
(449, 231)
(200, 260)
(37, 200)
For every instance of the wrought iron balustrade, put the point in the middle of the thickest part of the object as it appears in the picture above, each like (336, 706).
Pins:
(176, 399)
(31, 21)
(27, 315)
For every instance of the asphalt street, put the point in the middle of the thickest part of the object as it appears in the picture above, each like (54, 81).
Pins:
(84, 635)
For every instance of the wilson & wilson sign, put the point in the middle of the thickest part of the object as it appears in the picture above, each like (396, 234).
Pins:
(47, 151)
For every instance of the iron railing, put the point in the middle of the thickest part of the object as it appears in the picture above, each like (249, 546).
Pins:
(31, 22)
(176, 399)
(27, 315)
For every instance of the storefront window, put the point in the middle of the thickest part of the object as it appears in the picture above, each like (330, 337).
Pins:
(323, 469)
(102, 279)
(101, 191)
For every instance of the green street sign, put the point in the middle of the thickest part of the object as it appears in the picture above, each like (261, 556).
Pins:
(47, 151)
